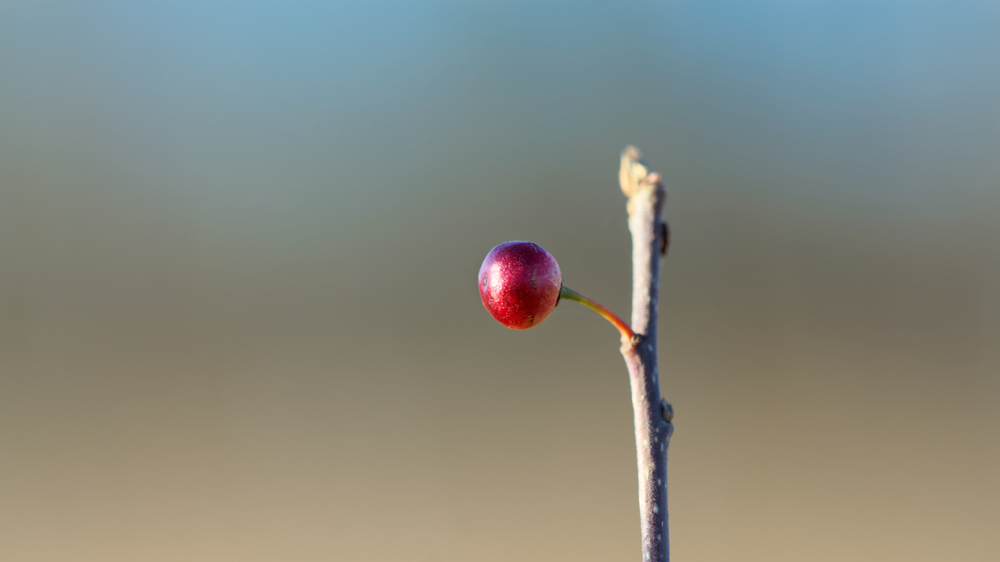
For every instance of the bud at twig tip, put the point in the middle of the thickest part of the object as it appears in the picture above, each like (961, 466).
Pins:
(633, 172)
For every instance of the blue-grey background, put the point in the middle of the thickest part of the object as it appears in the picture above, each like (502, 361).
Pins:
(238, 248)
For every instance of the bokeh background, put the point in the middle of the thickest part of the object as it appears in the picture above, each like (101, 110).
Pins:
(239, 243)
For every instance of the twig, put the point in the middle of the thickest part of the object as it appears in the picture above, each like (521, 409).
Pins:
(653, 414)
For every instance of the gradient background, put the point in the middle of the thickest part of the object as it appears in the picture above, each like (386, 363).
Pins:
(239, 242)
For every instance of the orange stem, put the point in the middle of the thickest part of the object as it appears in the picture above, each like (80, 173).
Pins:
(624, 328)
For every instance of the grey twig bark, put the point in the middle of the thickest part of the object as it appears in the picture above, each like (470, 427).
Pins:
(653, 414)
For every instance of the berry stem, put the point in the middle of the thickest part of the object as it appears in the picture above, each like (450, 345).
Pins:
(624, 328)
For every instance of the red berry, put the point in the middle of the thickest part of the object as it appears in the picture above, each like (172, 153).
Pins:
(519, 283)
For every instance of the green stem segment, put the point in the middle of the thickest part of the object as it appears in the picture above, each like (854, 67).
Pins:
(567, 293)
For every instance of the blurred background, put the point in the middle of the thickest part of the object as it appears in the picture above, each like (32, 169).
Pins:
(238, 254)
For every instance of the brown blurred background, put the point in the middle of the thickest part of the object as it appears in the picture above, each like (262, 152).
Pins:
(238, 249)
